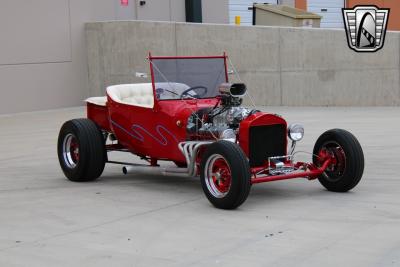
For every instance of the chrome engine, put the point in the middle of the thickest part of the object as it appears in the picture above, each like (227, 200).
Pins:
(217, 121)
(223, 120)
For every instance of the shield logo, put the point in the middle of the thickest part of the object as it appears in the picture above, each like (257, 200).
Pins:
(365, 27)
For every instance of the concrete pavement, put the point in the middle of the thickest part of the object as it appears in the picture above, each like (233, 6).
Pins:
(151, 220)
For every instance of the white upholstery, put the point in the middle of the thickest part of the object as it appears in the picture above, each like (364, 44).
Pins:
(139, 94)
(98, 100)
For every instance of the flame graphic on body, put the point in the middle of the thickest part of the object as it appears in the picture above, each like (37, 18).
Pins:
(137, 131)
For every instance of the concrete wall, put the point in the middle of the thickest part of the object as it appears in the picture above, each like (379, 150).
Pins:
(281, 66)
(265, 17)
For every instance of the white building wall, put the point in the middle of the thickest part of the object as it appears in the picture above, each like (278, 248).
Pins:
(43, 52)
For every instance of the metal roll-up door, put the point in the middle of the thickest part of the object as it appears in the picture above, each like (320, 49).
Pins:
(330, 10)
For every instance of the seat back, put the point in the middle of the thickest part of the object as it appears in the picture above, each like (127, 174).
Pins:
(138, 94)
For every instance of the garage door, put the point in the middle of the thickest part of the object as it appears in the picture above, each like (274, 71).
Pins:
(330, 10)
(241, 8)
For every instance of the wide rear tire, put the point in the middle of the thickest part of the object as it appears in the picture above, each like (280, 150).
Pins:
(81, 150)
(225, 175)
(348, 167)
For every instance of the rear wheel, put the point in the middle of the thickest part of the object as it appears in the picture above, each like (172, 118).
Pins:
(347, 166)
(225, 175)
(81, 150)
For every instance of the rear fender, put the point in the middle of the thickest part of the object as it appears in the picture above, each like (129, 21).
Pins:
(98, 114)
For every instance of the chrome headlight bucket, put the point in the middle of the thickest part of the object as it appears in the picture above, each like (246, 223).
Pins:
(296, 132)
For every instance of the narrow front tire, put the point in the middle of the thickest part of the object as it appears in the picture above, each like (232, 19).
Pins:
(225, 175)
(348, 160)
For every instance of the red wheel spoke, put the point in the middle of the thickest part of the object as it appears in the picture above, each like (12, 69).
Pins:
(338, 159)
(219, 176)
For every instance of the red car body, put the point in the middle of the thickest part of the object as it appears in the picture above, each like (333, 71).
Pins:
(154, 133)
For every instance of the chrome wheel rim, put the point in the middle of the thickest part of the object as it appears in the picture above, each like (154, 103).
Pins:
(70, 150)
(218, 176)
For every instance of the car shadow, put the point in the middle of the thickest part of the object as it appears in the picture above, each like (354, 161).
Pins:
(138, 178)
(260, 194)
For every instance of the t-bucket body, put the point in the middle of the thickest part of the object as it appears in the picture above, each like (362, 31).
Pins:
(190, 114)
(155, 131)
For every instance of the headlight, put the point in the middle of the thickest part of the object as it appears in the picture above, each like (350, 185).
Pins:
(229, 135)
(296, 132)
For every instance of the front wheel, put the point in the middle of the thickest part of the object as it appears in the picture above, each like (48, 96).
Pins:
(225, 175)
(347, 166)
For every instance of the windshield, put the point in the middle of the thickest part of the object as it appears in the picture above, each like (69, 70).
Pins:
(179, 78)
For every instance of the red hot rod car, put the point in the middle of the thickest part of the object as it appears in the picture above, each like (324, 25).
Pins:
(191, 115)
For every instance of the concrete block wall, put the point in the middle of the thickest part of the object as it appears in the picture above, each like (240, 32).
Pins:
(281, 66)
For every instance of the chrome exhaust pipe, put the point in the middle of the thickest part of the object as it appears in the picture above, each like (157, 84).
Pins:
(175, 170)
(126, 169)
(154, 170)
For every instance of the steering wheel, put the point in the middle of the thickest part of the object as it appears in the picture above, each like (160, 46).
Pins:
(198, 95)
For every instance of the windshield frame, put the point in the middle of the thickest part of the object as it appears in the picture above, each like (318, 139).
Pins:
(153, 82)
